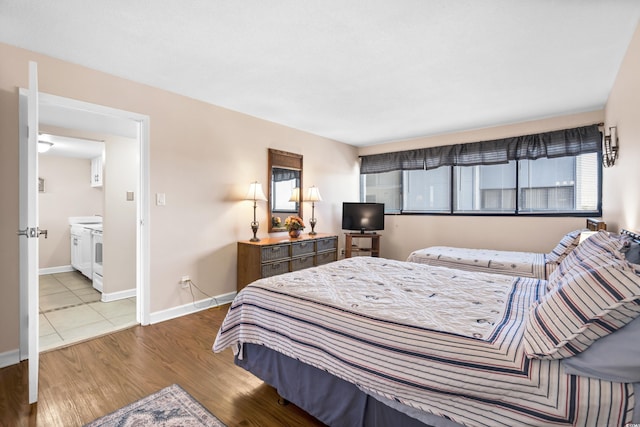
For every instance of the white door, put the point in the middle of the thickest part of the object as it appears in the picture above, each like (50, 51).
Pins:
(28, 229)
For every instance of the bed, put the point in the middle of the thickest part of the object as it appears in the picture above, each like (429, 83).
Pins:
(371, 341)
(512, 263)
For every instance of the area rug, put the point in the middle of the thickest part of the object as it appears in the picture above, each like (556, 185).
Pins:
(171, 406)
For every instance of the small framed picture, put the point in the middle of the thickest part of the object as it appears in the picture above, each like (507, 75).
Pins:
(41, 185)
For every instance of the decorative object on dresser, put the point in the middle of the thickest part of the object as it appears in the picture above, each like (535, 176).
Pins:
(313, 196)
(255, 193)
(352, 249)
(277, 255)
(294, 226)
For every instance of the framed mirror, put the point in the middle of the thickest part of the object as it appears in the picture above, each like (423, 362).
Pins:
(285, 182)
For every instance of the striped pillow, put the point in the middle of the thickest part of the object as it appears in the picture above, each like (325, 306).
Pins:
(564, 247)
(592, 300)
(602, 243)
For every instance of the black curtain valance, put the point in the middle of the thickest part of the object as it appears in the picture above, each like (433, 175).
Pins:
(279, 174)
(567, 142)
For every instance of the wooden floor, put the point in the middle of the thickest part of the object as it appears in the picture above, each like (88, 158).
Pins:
(91, 379)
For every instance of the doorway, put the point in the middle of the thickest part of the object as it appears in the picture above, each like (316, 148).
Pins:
(85, 117)
(86, 178)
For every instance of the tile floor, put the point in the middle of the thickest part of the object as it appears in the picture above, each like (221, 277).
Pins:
(71, 311)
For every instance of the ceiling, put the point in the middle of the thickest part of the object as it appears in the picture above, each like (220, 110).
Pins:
(360, 72)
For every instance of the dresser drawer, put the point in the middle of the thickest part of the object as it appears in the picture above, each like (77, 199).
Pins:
(327, 244)
(326, 257)
(275, 268)
(302, 263)
(276, 252)
(273, 256)
(302, 248)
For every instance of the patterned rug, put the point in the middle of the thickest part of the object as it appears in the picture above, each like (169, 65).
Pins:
(171, 406)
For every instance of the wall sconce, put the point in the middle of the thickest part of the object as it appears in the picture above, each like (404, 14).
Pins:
(255, 193)
(610, 147)
(313, 196)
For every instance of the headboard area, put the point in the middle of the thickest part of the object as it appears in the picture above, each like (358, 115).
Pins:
(634, 236)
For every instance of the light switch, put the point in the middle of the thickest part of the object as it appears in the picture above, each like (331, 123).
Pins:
(161, 199)
(129, 196)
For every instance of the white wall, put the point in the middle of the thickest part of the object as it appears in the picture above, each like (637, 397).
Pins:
(68, 192)
(621, 201)
(121, 168)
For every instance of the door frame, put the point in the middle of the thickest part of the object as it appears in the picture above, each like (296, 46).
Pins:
(142, 123)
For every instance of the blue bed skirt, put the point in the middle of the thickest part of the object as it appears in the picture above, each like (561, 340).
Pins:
(328, 398)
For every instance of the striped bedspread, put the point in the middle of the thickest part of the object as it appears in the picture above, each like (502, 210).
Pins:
(443, 341)
(512, 263)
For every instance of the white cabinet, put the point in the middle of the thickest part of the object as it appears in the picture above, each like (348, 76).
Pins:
(76, 249)
(96, 171)
(81, 250)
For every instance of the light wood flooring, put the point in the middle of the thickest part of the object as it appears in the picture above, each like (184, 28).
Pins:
(84, 381)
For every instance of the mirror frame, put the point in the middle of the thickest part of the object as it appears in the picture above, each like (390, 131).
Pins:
(282, 159)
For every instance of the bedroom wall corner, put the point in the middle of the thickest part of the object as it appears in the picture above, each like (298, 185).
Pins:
(620, 200)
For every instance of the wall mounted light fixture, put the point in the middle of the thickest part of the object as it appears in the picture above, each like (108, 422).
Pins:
(610, 147)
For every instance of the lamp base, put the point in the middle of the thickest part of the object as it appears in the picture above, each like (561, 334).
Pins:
(312, 223)
(254, 228)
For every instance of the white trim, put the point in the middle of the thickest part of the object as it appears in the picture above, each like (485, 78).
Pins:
(53, 270)
(9, 358)
(143, 250)
(142, 229)
(114, 296)
(194, 307)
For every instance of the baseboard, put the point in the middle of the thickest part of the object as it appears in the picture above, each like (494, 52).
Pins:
(194, 307)
(9, 358)
(114, 296)
(52, 270)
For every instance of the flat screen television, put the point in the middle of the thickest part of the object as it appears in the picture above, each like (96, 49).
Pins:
(362, 217)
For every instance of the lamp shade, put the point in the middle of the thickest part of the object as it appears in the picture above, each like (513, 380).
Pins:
(295, 195)
(255, 192)
(313, 194)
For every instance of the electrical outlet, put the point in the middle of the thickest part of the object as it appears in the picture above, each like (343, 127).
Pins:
(342, 251)
(184, 281)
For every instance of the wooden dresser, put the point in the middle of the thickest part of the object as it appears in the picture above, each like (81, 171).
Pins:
(277, 255)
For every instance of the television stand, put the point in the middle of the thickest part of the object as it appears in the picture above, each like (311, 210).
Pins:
(354, 249)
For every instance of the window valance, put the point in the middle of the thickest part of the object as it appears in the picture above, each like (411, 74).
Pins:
(279, 174)
(560, 143)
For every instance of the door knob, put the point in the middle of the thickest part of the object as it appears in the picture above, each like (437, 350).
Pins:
(27, 232)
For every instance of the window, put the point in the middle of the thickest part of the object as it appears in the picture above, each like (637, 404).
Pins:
(553, 173)
(564, 185)
(384, 188)
(485, 188)
(427, 190)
